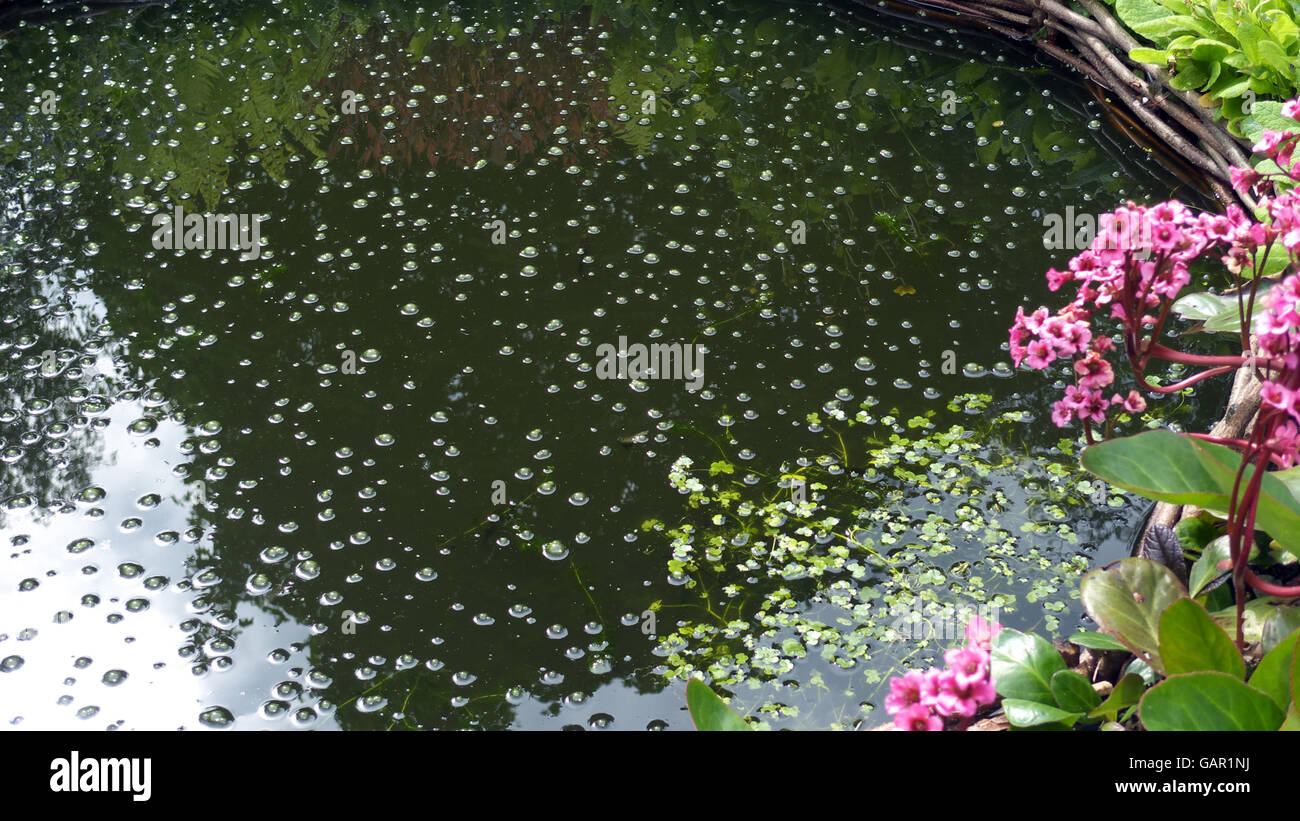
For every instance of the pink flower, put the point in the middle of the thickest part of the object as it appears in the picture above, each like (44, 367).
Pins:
(981, 633)
(905, 692)
(1094, 371)
(1243, 179)
(1133, 403)
(1040, 355)
(1291, 109)
(1093, 407)
(1268, 142)
(1055, 278)
(968, 664)
(918, 718)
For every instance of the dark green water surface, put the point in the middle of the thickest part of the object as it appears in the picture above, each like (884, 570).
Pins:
(260, 493)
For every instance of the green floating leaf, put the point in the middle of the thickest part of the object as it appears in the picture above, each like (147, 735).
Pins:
(1208, 701)
(1097, 641)
(1022, 713)
(1273, 675)
(1127, 599)
(1191, 642)
(1170, 467)
(1022, 666)
(708, 711)
(1128, 691)
(1073, 692)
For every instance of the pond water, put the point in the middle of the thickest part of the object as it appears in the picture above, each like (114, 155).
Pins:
(381, 469)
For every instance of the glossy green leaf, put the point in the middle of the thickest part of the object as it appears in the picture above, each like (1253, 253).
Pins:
(1138, 14)
(1228, 321)
(1128, 691)
(1148, 55)
(709, 711)
(1206, 49)
(1170, 467)
(1206, 568)
(1127, 599)
(1073, 693)
(1208, 701)
(1194, 534)
(1141, 669)
(1191, 642)
(1097, 641)
(1200, 306)
(1273, 675)
(1022, 666)
(1022, 713)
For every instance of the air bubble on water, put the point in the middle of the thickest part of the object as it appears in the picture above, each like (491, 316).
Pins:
(217, 718)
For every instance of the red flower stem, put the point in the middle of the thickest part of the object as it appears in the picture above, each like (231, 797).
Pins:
(1156, 349)
(1188, 382)
(1268, 588)
(1237, 444)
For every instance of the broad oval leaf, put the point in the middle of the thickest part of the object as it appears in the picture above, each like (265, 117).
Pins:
(1022, 666)
(1191, 642)
(1273, 675)
(1073, 693)
(1194, 534)
(1222, 314)
(1127, 599)
(1022, 713)
(709, 711)
(1208, 701)
(1171, 467)
(1096, 641)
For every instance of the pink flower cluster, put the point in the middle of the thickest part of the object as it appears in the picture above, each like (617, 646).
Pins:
(921, 701)
(1278, 331)
(1135, 268)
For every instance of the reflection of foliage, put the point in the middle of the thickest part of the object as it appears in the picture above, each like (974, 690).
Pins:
(51, 397)
(487, 116)
(926, 522)
(258, 351)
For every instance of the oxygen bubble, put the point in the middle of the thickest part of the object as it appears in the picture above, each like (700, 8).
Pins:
(217, 717)
(143, 426)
